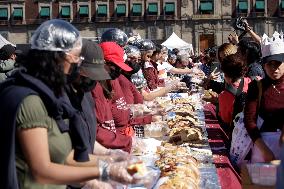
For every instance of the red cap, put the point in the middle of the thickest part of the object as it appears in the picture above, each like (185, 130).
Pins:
(114, 53)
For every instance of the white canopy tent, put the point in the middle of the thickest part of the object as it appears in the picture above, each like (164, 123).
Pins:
(175, 42)
(4, 41)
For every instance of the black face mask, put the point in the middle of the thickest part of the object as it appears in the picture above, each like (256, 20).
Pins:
(86, 84)
(74, 73)
(114, 73)
(135, 67)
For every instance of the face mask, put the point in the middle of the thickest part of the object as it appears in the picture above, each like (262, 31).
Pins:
(165, 58)
(114, 73)
(86, 84)
(135, 67)
(73, 73)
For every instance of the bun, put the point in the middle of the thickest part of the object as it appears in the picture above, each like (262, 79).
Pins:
(138, 167)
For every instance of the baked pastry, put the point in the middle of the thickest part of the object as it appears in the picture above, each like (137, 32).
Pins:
(178, 182)
(183, 135)
(138, 167)
(210, 96)
(182, 101)
(184, 110)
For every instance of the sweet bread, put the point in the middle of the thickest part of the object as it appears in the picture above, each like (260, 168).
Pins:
(138, 167)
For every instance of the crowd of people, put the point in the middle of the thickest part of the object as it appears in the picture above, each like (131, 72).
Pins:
(65, 102)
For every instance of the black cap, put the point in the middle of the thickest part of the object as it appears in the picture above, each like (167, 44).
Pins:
(7, 50)
(276, 57)
(93, 63)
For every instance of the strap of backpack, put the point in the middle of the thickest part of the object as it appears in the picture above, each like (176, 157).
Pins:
(233, 90)
(240, 88)
(236, 93)
(259, 86)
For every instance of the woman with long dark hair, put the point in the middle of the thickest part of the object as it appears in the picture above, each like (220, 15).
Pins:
(33, 115)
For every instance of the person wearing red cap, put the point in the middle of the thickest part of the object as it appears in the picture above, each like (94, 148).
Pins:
(112, 113)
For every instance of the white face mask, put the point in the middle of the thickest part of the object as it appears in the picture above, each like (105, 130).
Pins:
(166, 58)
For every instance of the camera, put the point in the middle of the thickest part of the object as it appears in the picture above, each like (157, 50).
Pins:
(240, 24)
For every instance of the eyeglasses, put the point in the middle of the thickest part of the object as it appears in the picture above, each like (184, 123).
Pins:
(77, 59)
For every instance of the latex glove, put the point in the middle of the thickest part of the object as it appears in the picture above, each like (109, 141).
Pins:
(96, 184)
(182, 84)
(118, 155)
(214, 75)
(118, 172)
(174, 86)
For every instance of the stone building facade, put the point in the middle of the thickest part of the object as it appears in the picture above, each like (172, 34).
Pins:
(203, 23)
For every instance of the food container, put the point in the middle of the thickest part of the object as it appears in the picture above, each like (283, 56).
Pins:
(155, 130)
(136, 110)
(263, 174)
(156, 118)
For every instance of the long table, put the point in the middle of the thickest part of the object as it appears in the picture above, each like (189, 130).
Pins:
(217, 139)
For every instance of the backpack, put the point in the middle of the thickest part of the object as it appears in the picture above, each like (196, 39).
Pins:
(241, 142)
(239, 103)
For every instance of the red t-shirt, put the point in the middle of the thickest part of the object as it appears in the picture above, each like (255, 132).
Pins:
(112, 117)
(131, 94)
(119, 108)
(226, 102)
(150, 73)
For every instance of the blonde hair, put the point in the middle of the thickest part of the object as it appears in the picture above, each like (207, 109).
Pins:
(227, 49)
